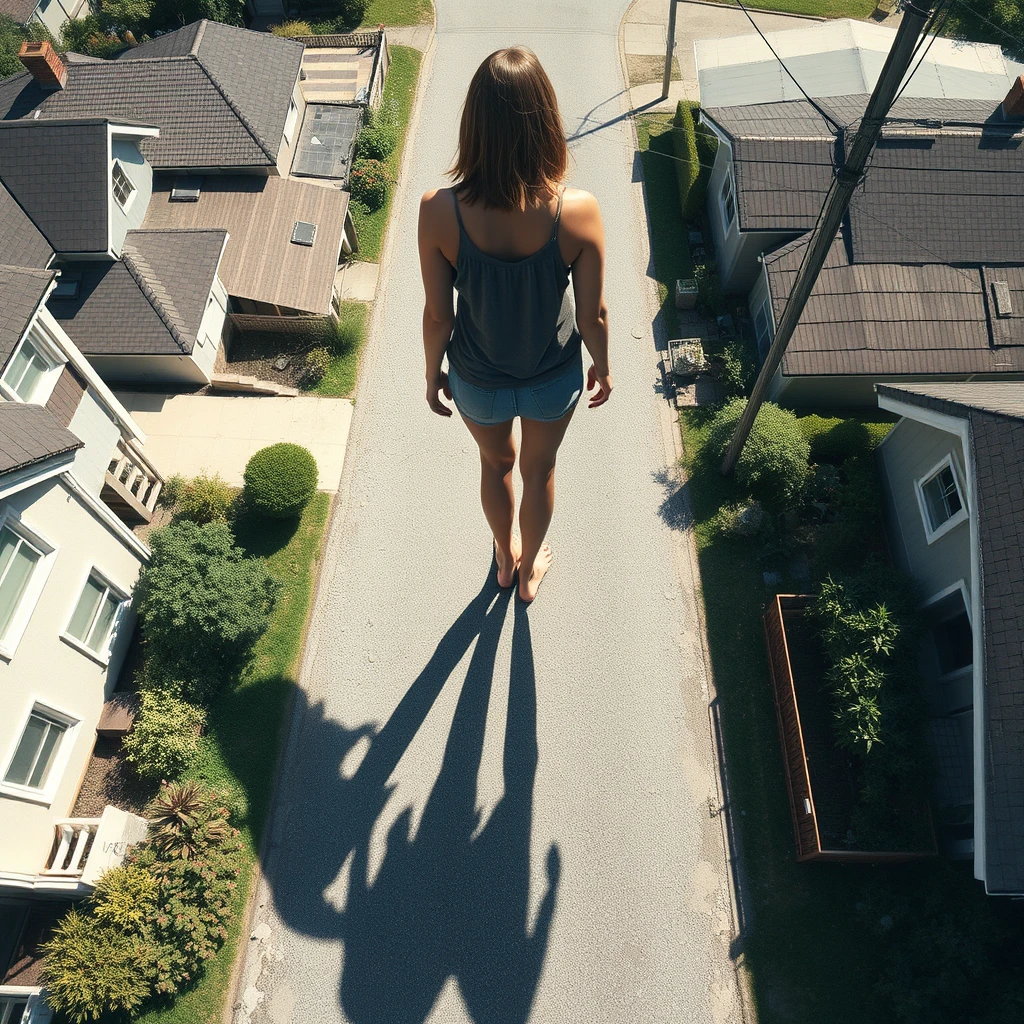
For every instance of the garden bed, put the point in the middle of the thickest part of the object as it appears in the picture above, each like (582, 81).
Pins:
(820, 777)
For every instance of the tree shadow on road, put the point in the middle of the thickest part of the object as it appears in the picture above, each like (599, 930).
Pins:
(450, 900)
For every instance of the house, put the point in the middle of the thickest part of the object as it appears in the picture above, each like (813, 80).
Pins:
(842, 57)
(51, 14)
(74, 480)
(953, 474)
(163, 229)
(919, 283)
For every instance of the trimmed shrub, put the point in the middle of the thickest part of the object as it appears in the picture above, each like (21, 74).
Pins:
(125, 897)
(318, 362)
(280, 480)
(164, 740)
(204, 499)
(291, 29)
(202, 604)
(91, 968)
(774, 462)
(835, 440)
(687, 162)
(370, 182)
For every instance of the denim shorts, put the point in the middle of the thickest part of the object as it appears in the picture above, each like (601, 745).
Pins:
(547, 401)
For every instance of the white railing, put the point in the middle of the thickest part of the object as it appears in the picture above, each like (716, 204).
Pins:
(72, 843)
(86, 847)
(134, 479)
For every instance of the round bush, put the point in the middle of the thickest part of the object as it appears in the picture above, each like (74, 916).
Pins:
(203, 499)
(164, 740)
(280, 480)
(774, 461)
(369, 183)
(318, 362)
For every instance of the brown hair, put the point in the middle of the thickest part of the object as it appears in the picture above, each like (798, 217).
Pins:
(512, 148)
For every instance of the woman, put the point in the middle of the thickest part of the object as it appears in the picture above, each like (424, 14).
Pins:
(509, 235)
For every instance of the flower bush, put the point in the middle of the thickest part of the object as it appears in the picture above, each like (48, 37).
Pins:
(164, 739)
(203, 499)
(369, 182)
(280, 480)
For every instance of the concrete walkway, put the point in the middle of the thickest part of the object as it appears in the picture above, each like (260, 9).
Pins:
(489, 814)
(190, 434)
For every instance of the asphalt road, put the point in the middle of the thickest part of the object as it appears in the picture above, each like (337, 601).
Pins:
(490, 814)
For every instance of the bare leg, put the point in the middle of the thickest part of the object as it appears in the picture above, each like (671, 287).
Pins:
(497, 459)
(537, 467)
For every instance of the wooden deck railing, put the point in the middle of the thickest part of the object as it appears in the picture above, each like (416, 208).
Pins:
(132, 484)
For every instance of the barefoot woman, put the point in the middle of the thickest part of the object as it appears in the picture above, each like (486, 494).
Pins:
(509, 235)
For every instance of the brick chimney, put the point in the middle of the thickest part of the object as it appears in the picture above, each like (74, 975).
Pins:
(45, 64)
(1013, 105)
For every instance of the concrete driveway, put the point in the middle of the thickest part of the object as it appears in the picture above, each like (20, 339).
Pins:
(190, 434)
(491, 814)
(646, 27)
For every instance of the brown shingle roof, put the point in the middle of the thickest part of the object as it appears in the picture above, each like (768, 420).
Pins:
(29, 434)
(995, 413)
(21, 292)
(261, 262)
(21, 242)
(887, 319)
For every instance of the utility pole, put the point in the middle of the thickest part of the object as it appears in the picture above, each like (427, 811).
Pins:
(836, 204)
(670, 45)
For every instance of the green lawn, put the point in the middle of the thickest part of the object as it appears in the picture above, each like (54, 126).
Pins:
(821, 8)
(246, 727)
(398, 12)
(340, 379)
(400, 85)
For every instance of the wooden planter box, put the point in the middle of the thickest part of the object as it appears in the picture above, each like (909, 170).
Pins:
(796, 671)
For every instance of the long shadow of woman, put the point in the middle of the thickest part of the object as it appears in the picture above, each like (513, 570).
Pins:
(448, 902)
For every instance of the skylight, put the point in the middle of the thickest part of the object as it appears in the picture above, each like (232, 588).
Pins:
(304, 233)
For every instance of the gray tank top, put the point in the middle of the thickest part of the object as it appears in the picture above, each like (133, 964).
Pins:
(515, 322)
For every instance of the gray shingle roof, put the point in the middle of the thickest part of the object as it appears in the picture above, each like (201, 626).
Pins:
(950, 190)
(30, 434)
(21, 291)
(19, 10)
(59, 175)
(154, 297)
(219, 95)
(996, 416)
(892, 318)
(21, 242)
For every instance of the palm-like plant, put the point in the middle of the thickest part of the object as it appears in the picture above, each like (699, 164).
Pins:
(184, 819)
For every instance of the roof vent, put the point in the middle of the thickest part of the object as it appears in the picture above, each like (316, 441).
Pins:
(186, 190)
(304, 233)
(44, 62)
(1001, 294)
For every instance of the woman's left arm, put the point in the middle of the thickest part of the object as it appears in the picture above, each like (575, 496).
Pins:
(439, 308)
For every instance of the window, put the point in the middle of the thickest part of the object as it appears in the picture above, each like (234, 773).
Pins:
(13, 1009)
(95, 614)
(66, 288)
(18, 561)
(28, 366)
(124, 190)
(728, 200)
(954, 643)
(941, 500)
(289, 123)
(763, 328)
(36, 751)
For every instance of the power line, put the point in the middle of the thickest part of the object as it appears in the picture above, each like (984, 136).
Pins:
(945, 7)
(828, 117)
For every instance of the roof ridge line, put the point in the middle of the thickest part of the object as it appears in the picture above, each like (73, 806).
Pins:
(200, 32)
(249, 127)
(132, 266)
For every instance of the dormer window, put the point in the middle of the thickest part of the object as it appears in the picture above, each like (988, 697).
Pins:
(124, 189)
(32, 370)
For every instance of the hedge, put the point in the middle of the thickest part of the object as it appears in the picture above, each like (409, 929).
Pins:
(280, 480)
(688, 170)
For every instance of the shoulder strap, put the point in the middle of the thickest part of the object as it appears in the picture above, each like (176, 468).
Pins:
(558, 215)
(458, 214)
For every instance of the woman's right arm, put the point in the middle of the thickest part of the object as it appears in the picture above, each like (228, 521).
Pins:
(438, 307)
(588, 289)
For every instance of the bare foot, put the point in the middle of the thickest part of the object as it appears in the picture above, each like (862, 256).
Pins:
(528, 585)
(507, 567)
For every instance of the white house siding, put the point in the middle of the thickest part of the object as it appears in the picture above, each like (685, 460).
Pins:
(211, 329)
(99, 431)
(910, 451)
(284, 158)
(53, 13)
(44, 668)
(158, 369)
(141, 176)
